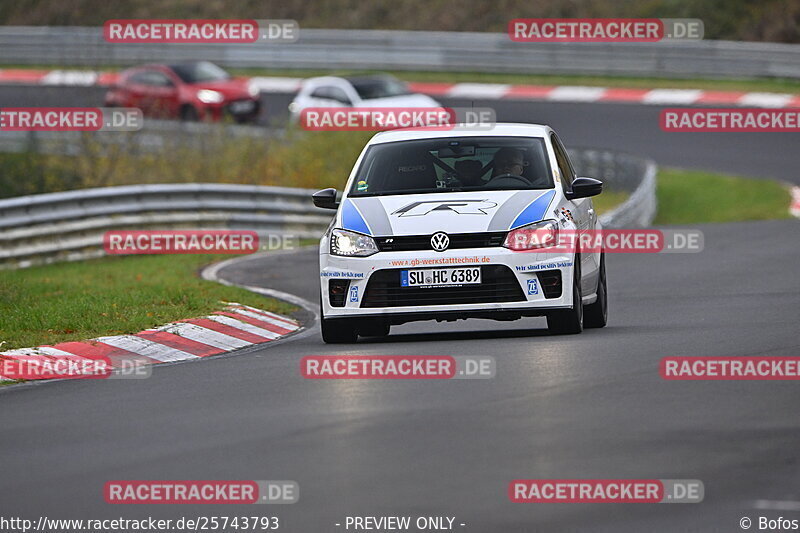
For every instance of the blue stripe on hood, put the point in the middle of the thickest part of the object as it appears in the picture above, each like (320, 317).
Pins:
(535, 210)
(352, 219)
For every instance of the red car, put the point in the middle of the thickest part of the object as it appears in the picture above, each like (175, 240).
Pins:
(189, 91)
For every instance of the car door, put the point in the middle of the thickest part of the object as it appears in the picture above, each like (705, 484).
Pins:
(161, 97)
(582, 212)
(135, 90)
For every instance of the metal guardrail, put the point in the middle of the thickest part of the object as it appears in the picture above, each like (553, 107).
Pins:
(415, 50)
(622, 172)
(69, 226)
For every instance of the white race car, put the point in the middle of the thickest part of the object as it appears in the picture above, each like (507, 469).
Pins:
(437, 225)
(357, 91)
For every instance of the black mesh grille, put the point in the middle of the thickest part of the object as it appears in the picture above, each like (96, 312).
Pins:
(337, 291)
(550, 280)
(407, 243)
(498, 284)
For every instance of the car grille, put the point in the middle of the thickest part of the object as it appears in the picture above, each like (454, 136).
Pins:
(551, 283)
(498, 284)
(337, 291)
(408, 243)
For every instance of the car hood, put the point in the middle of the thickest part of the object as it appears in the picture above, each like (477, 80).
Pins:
(454, 212)
(406, 100)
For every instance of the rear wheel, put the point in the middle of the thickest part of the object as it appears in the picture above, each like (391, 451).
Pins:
(596, 315)
(569, 321)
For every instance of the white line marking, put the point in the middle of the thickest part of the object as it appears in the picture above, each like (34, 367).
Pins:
(765, 100)
(153, 350)
(41, 351)
(48, 351)
(794, 209)
(672, 96)
(70, 77)
(244, 326)
(576, 94)
(207, 336)
(268, 320)
(286, 319)
(211, 274)
(478, 90)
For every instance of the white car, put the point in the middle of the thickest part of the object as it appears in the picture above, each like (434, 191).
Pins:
(434, 225)
(357, 91)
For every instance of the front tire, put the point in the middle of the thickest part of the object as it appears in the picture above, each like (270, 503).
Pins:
(338, 331)
(569, 321)
(596, 315)
(189, 113)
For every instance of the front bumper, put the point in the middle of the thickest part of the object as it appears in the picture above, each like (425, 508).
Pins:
(356, 273)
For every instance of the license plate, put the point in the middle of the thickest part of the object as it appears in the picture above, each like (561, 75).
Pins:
(440, 277)
(243, 106)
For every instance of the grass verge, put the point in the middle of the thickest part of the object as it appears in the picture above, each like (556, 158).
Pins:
(609, 200)
(697, 197)
(110, 296)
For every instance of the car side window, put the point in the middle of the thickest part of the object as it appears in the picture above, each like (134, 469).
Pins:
(564, 165)
(151, 78)
(331, 93)
(139, 77)
(159, 79)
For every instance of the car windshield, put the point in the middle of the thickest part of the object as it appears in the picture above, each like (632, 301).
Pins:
(200, 72)
(453, 164)
(382, 87)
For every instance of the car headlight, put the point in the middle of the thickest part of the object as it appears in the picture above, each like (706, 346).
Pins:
(253, 90)
(207, 96)
(542, 234)
(351, 244)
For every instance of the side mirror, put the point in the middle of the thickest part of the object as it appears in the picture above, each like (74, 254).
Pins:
(584, 188)
(326, 199)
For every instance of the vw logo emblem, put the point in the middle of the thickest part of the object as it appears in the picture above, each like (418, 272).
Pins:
(440, 241)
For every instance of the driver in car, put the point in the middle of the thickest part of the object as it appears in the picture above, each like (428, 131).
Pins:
(508, 161)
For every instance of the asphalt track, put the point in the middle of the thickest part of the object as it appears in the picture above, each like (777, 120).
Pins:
(587, 406)
(626, 127)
